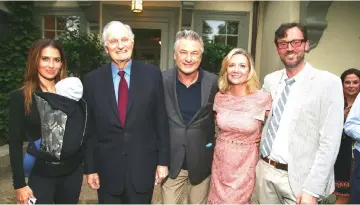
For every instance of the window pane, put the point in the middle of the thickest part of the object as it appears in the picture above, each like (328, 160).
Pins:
(219, 39)
(207, 29)
(72, 23)
(49, 22)
(59, 33)
(221, 28)
(49, 34)
(232, 27)
(212, 27)
(208, 38)
(61, 23)
(232, 41)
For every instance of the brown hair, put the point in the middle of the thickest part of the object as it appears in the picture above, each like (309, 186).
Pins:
(252, 81)
(31, 78)
(281, 31)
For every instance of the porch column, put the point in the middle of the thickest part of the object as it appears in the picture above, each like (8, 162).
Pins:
(274, 14)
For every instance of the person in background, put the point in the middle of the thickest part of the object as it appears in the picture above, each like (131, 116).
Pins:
(352, 129)
(49, 112)
(189, 96)
(351, 86)
(240, 109)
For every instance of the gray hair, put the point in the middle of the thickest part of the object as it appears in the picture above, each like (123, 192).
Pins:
(189, 35)
(115, 24)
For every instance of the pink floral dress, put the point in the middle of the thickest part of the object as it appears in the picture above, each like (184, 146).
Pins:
(239, 119)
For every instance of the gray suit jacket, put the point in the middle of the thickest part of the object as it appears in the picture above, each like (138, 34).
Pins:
(194, 136)
(315, 130)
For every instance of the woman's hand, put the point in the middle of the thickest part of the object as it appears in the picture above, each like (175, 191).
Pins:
(346, 111)
(23, 194)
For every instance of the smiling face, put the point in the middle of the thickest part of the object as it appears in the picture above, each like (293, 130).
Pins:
(119, 44)
(292, 48)
(188, 56)
(351, 85)
(238, 69)
(49, 64)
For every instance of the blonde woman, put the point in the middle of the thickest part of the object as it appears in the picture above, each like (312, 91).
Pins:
(240, 111)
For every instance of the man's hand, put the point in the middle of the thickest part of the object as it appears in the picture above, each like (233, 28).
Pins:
(305, 198)
(93, 181)
(161, 174)
(23, 194)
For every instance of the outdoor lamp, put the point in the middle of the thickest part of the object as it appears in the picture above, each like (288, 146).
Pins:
(137, 6)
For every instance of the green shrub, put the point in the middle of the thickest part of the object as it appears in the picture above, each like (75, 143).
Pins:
(83, 52)
(21, 33)
(213, 56)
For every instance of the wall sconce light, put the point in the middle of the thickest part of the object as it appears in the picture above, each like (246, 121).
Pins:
(137, 6)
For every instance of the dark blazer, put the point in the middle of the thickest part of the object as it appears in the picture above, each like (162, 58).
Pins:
(196, 135)
(116, 152)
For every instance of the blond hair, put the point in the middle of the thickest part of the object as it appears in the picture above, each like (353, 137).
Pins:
(252, 81)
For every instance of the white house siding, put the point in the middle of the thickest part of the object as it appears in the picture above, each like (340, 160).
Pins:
(339, 47)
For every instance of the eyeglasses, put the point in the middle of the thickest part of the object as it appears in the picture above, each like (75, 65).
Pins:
(116, 42)
(294, 43)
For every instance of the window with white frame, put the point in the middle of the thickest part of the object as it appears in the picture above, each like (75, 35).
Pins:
(229, 28)
(55, 26)
(222, 32)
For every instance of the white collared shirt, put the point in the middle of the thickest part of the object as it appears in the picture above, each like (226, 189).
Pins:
(280, 152)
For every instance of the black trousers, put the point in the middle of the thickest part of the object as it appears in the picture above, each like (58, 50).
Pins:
(129, 195)
(355, 180)
(58, 190)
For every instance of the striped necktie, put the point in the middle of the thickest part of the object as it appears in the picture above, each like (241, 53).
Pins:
(275, 119)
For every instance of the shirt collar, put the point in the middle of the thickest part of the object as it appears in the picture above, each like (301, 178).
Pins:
(298, 77)
(115, 69)
(200, 76)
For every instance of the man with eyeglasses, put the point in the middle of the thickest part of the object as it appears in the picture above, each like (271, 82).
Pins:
(127, 141)
(189, 98)
(301, 138)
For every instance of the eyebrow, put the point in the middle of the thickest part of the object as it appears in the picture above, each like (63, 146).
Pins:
(50, 57)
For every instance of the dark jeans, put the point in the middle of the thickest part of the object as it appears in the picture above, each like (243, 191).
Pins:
(355, 180)
(58, 190)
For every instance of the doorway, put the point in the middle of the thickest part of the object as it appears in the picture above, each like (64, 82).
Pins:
(147, 45)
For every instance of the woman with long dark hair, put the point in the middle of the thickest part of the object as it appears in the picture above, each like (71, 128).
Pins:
(52, 117)
(351, 86)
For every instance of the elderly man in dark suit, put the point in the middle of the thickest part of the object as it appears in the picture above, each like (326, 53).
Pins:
(189, 97)
(127, 145)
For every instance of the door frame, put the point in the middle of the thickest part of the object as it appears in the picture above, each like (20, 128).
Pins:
(164, 38)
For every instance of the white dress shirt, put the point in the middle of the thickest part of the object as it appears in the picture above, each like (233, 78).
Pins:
(280, 146)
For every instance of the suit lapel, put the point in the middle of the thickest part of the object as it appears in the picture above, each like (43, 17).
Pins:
(110, 92)
(273, 88)
(171, 84)
(303, 91)
(206, 86)
(134, 78)
(205, 93)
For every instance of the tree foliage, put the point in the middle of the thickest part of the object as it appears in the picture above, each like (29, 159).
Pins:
(83, 52)
(213, 55)
(22, 32)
